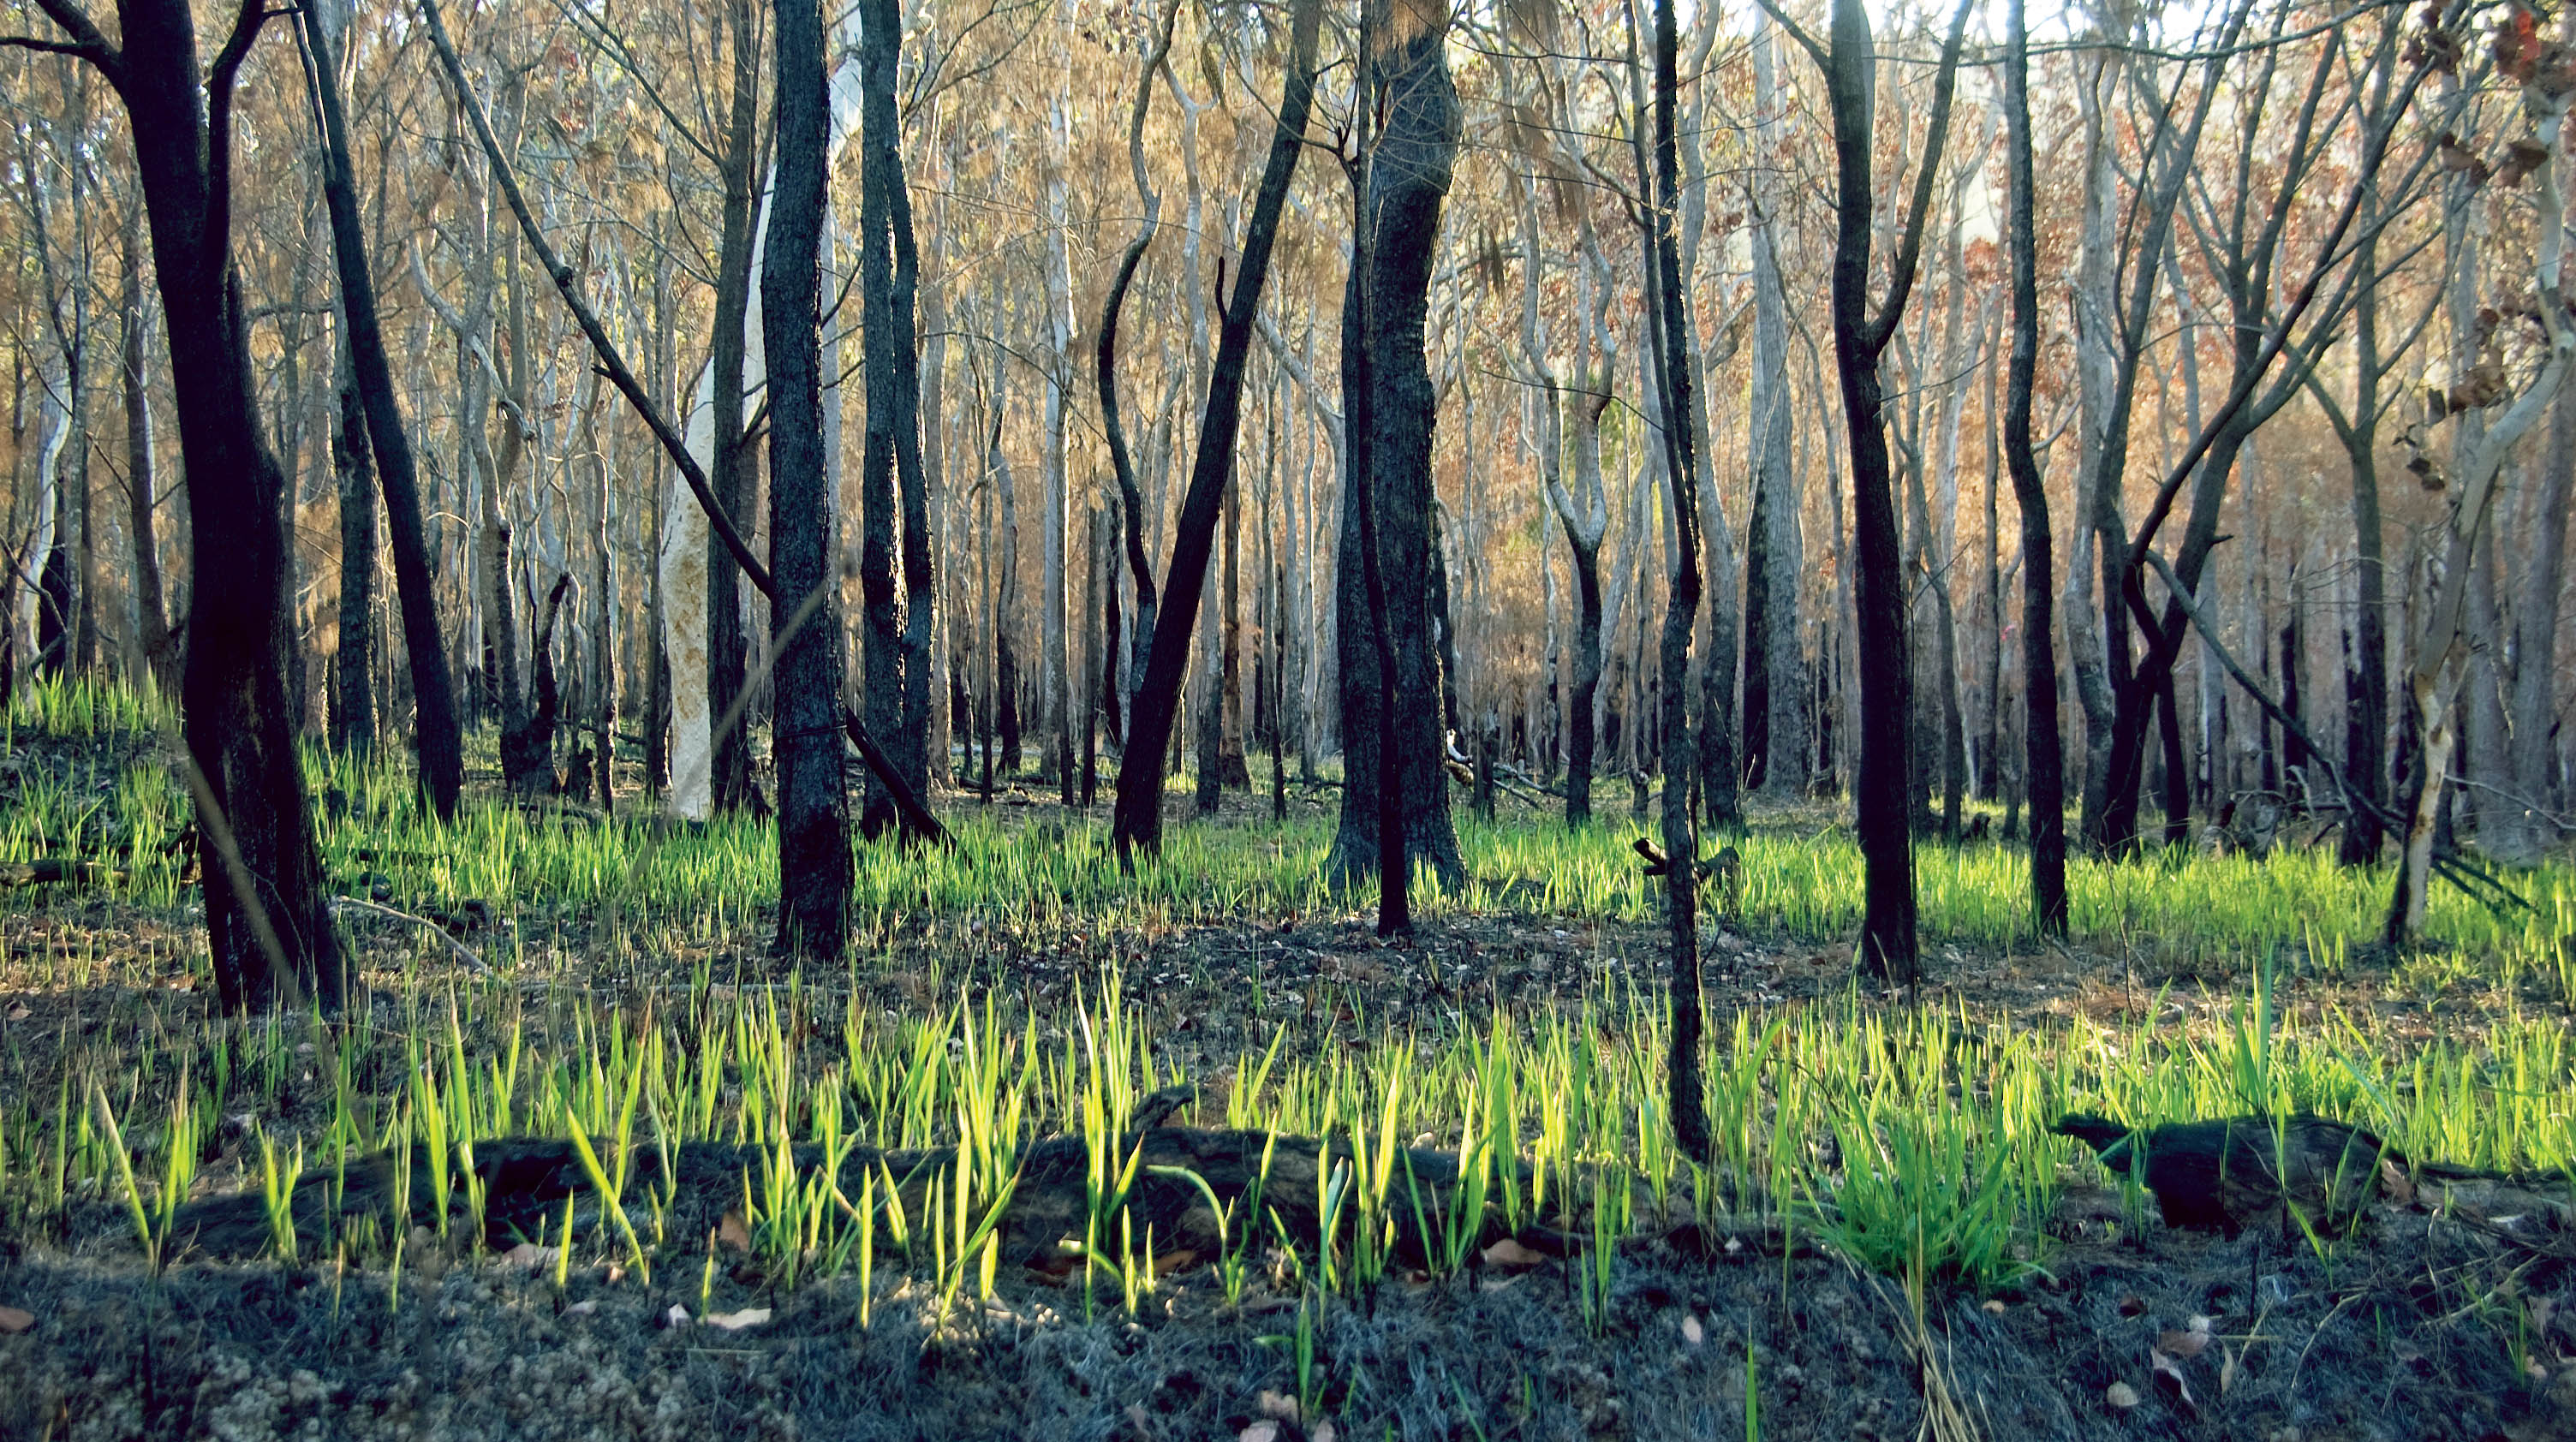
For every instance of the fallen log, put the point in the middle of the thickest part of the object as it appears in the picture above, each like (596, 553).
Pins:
(1271, 1182)
(59, 871)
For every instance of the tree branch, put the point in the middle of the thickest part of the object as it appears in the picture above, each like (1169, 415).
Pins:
(49, 47)
(1919, 211)
(611, 363)
(1805, 41)
(86, 41)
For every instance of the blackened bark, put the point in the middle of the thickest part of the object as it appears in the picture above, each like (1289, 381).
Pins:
(437, 734)
(1888, 948)
(2294, 752)
(2176, 766)
(1681, 609)
(2043, 744)
(909, 745)
(353, 698)
(1408, 176)
(1363, 556)
(1580, 743)
(546, 707)
(268, 931)
(814, 876)
(1755, 737)
(881, 656)
(1132, 500)
(1139, 822)
(2365, 756)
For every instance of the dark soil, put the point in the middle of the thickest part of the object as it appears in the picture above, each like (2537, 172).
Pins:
(2413, 1326)
(2409, 1329)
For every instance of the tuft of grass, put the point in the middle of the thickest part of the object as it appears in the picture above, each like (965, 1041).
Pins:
(1912, 1140)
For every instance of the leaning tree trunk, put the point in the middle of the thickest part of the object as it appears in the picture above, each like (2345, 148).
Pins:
(814, 875)
(436, 732)
(1139, 820)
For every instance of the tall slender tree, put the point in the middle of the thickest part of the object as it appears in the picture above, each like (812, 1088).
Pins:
(2044, 758)
(267, 929)
(437, 734)
(1139, 820)
(814, 874)
(1888, 950)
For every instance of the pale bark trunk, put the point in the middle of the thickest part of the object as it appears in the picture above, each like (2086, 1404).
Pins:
(2526, 827)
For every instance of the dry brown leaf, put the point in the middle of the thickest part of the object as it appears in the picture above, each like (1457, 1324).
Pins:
(733, 1233)
(1277, 1404)
(18, 1011)
(1264, 1430)
(1510, 1253)
(582, 1308)
(1995, 1305)
(1353, 968)
(616, 1273)
(2169, 1371)
(2121, 1395)
(1323, 1431)
(736, 1321)
(678, 1316)
(1692, 1331)
(2399, 1187)
(1176, 1261)
(16, 1319)
(528, 1257)
(2226, 1369)
(2183, 1344)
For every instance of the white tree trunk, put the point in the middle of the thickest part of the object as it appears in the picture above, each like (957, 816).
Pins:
(685, 531)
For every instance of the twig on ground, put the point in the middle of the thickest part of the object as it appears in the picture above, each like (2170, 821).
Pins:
(464, 952)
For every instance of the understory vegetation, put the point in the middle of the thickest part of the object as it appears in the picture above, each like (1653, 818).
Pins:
(604, 979)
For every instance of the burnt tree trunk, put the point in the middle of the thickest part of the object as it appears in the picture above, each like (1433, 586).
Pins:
(1139, 821)
(814, 876)
(353, 698)
(1888, 949)
(437, 734)
(151, 615)
(1408, 173)
(728, 476)
(2043, 743)
(1681, 609)
(267, 928)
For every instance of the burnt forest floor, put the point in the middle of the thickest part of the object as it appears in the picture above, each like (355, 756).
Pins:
(1888, 1244)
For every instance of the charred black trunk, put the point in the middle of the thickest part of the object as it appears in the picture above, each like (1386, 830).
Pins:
(2043, 743)
(1139, 821)
(268, 931)
(728, 477)
(353, 698)
(437, 732)
(1391, 719)
(814, 875)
